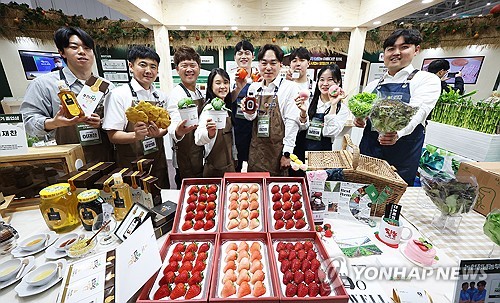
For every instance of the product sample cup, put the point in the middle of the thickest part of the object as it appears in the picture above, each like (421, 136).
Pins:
(219, 117)
(190, 114)
(392, 234)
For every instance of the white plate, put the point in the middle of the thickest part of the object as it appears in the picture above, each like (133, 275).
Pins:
(401, 250)
(19, 253)
(52, 253)
(23, 289)
(27, 269)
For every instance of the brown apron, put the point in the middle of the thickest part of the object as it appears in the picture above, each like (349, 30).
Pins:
(102, 152)
(220, 159)
(126, 153)
(265, 153)
(189, 155)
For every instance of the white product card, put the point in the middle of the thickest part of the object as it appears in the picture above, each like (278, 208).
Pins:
(410, 295)
(91, 94)
(12, 135)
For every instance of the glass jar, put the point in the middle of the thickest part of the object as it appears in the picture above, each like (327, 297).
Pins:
(318, 209)
(89, 206)
(58, 206)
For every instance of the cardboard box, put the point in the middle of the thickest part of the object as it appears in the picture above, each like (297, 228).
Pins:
(488, 178)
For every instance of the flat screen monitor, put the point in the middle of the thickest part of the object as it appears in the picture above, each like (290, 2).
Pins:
(470, 67)
(36, 63)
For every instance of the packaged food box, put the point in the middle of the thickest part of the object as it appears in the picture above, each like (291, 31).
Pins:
(199, 206)
(186, 271)
(104, 168)
(80, 179)
(243, 205)
(143, 165)
(288, 206)
(303, 269)
(243, 269)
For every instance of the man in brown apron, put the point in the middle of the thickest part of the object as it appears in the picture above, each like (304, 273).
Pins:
(276, 117)
(139, 140)
(187, 156)
(41, 108)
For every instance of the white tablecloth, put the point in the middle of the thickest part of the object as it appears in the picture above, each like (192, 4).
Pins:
(31, 222)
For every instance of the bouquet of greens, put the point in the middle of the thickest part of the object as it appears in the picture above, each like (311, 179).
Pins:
(451, 195)
(361, 104)
(217, 104)
(491, 226)
(185, 103)
(391, 115)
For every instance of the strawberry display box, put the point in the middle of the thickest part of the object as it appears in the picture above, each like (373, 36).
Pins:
(243, 269)
(199, 206)
(303, 269)
(243, 204)
(288, 206)
(186, 270)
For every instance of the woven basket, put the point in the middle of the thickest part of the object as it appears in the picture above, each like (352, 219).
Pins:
(360, 169)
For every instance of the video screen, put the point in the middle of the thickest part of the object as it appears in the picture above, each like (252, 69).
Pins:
(36, 63)
(470, 67)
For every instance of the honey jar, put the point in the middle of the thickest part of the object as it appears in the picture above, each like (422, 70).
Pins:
(58, 206)
(89, 206)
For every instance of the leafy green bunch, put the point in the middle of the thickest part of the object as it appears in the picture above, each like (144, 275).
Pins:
(491, 226)
(185, 103)
(217, 104)
(361, 104)
(391, 115)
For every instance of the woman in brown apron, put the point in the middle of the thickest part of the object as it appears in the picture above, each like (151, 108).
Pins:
(218, 143)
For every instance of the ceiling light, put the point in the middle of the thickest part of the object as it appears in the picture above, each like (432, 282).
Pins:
(488, 3)
(286, 28)
(144, 20)
(336, 29)
(182, 28)
(426, 1)
(457, 2)
(454, 14)
(376, 23)
(233, 28)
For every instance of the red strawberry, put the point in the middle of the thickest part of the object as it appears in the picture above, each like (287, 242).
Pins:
(297, 205)
(203, 189)
(298, 246)
(315, 264)
(201, 206)
(203, 198)
(187, 225)
(287, 277)
(308, 245)
(191, 199)
(198, 225)
(285, 265)
(276, 197)
(289, 224)
(292, 254)
(328, 233)
(280, 246)
(210, 214)
(199, 215)
(210, 206)
(200, 266)
(285, 188)
(162, 292)
(189, 216)
(311, 255)
(309, 277)
(299, 214)
(190, 207)
(202, 256)
(180, 247)
(313, 289)
(325, 289)
(172, 266)
(168, 278)
(287, 205)
(288, 215)
(327, 226)
(186, 266)
(175, 257)
(279, 224)
(294, 189)
(211, 199)
(277, 205)
(289, 246)
(296, 197)
(196, 278)
(300, 224)
(192, 247)
(319, 228)
(194, 189)
(278, 214)
(296, 265)
(204, 247)
(282, 255)
(212, 189)
(193, 291)
(178, 291)
(291, 290)
(275, 189)
(302, 290)
(209, 225)
(306, 264)
(286, 197)
(183, 277)
(189, 256)
(298, 277)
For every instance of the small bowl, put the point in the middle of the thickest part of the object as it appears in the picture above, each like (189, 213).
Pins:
(78, 248)
(65, 241)
(33, 243)
(42, 275)
(9, 269)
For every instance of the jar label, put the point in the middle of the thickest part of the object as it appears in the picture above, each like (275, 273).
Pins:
(54, 215)
(118, 201)
(318, 215)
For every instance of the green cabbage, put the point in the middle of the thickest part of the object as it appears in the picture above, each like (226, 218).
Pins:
(361, 104)
(185, 103)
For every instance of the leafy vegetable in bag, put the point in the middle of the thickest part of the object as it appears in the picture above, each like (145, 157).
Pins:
(391, 115)
(491, 226)
(185, 103)
(361, 104)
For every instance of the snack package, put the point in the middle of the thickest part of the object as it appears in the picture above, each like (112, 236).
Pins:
(145, 112)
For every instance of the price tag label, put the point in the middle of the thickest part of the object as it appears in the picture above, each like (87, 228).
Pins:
(12, 135)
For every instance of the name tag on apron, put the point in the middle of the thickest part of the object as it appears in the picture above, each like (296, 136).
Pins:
(88, 135)
(149, 146)
(315, 129)
(239, 111)
(263, 126)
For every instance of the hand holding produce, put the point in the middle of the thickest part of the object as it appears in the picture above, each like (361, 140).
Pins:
(335, 90)
(491, 226)
(391, 115)
(361, 104)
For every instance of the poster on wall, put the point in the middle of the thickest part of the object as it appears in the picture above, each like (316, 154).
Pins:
(377, 71)
(469, 66)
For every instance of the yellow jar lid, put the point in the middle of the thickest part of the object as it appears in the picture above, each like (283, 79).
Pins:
(88, 195)
(55, 190)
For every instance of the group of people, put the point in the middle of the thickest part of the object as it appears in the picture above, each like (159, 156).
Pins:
(470, 294)
(285, 119)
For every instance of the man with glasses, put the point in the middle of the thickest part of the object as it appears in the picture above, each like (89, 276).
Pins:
(140, 140)
(275, 116)
(440, 68)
